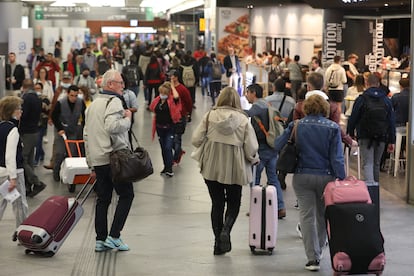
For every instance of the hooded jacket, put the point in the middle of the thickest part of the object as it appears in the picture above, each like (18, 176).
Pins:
(335, 67)
(231, 146)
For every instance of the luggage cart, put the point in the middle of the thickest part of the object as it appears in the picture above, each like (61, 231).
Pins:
(74, 169)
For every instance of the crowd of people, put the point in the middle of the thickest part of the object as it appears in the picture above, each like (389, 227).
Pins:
(94, 91)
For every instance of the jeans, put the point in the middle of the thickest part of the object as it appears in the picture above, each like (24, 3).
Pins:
(178, 141)
(371, 158)
(215, 88)
(309, 190)
(268, 160)
(103, 188)
(204, 85)
(166, 139)
(134, 89)
(19, 206)
(151, 87)
(40, 153)
(295, 86)
(192, 94)
(220, 194)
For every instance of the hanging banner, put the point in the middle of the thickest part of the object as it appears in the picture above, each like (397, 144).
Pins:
(20, 42)
(363, 37)
(233, 30)
(332, 43)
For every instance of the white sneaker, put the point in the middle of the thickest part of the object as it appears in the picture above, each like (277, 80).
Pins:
(298, 230)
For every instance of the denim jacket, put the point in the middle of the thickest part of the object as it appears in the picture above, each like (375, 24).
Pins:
(319, 146)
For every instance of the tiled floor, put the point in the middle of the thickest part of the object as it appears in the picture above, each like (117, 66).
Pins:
(169, 233)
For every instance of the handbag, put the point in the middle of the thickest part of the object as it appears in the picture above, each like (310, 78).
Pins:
(197, 154)
(130, 166)
(179, 127)
(288, 157)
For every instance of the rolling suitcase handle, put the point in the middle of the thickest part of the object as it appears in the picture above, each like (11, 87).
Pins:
(88, 192)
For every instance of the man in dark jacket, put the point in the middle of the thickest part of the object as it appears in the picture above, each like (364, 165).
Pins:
(29, 131)
(14, 75)
(374, 120)
(68, 117)
(233, 69)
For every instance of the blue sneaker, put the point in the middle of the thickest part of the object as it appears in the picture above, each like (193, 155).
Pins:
(100, 246)
(116, 244)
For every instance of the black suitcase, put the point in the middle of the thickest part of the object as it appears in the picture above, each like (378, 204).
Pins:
(355, 240)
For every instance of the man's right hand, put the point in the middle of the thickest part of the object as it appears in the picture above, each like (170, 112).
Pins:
(127, 113)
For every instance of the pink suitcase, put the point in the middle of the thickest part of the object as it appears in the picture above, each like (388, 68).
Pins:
(45, 230)
(263, 219)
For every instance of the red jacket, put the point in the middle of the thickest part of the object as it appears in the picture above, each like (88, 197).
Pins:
(185, 98)
(175, 110)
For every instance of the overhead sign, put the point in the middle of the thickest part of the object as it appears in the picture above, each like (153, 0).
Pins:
(87, 13)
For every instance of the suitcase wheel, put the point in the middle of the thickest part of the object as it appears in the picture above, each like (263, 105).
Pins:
(48, 254)
(270, 251)
(252, 248)
(71, 188)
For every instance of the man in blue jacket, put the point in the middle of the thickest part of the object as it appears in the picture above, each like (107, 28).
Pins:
(268, 156)
(374, 120)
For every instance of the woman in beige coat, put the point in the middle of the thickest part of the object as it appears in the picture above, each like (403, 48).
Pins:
(225, 161)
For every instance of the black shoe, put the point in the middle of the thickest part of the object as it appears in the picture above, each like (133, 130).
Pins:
(225, 244)
(217, 250)
(37, 189)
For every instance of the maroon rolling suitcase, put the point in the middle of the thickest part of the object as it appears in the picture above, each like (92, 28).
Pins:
(44, 231)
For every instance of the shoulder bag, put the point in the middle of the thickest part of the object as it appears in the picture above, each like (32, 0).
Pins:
(197, 154)
(288, 157)
(130, 166)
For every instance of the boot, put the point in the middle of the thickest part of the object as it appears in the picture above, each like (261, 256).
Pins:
(225, 243)
(217, 249)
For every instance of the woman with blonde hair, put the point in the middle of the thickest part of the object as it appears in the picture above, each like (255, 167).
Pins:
(167, 109)
(11, 156)
(230, 149)
(353, 92)
(320, 160)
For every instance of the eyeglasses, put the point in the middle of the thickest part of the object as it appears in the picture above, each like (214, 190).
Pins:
(120, 82)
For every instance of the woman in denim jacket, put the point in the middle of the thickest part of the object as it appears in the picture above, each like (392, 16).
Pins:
(320, 160)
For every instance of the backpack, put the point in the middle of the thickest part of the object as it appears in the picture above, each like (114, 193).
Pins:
(216, 71)
(374, 118)
(103, 65)
(334, 79)
(272, 75)
(189, 79)
(276, 125)
(131, 75)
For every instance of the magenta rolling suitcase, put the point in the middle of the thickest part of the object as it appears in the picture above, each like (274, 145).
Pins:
(263, 219)
(45, 230)
(355, 240)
